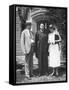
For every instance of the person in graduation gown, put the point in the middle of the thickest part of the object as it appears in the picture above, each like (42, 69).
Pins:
(41, 50)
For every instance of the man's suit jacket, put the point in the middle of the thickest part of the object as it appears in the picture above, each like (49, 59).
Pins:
(26, 41)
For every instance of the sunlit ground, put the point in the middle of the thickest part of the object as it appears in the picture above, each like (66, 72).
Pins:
(20, 76)
(20, 73)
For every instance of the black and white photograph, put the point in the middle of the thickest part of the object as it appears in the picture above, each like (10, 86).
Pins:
(34, 38)
(41, 44)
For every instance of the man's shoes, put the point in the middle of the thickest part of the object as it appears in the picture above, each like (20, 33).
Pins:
(28, 77)
(32, 75)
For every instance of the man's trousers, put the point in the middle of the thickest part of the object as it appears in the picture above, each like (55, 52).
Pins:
(29, 63)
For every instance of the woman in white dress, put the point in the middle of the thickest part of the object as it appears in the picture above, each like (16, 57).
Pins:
(54, 49)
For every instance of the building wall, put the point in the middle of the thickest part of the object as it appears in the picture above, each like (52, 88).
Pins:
(18, 32)
(34, 29)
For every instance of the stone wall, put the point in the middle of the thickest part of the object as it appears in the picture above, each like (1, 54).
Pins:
(18, 31)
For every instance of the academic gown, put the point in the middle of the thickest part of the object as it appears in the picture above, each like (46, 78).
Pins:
(41, 49)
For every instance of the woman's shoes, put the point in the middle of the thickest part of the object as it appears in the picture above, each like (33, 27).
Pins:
(57, 74)
(52, 74)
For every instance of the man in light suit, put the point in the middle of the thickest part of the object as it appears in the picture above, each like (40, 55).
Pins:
(27, 45)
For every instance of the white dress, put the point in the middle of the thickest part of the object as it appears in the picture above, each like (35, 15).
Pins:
(54, 51)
